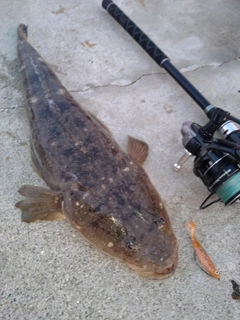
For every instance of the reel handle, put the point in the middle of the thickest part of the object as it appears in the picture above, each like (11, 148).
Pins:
(178, 165)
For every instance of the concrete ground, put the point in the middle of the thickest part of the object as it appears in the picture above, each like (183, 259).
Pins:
(48, 271)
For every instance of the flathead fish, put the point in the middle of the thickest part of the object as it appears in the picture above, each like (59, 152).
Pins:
(103, 192)
(201, 254)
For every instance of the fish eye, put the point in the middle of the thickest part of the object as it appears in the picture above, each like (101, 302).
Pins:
(131, 243)
(217, 272)
(159, 221)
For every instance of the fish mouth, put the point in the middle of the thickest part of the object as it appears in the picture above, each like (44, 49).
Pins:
(157, 274)
(160, 272)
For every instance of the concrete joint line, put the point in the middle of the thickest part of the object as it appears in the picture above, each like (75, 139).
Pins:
(183, 70)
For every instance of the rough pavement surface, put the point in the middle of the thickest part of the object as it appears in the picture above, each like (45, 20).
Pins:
(48, 271)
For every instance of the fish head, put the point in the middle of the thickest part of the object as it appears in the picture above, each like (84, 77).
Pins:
(217, 274)
(143, 239)
(151, 248)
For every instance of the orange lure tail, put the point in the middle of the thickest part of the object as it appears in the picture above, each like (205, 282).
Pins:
(203, 257)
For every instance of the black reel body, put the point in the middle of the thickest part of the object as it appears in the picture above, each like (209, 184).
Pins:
(217, 161)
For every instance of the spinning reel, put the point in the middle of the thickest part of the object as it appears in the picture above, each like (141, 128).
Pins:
(217, 161)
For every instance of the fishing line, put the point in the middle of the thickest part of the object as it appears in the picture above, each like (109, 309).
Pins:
(229, 189)
(203, 206)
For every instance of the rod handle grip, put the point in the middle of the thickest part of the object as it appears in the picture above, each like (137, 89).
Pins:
(141, 38)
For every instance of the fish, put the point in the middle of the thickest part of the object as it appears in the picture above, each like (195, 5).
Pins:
(102, 191)
(236, 290)
(200, 253)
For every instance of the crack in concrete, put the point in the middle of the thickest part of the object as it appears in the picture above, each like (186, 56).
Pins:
(213, 65)
(117, 85)
(183, 71)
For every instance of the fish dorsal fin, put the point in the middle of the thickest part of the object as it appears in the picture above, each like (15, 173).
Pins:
(40, 204)
(137, 149)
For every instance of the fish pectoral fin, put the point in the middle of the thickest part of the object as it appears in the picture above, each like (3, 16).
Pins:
(40, 204)
(137, 149)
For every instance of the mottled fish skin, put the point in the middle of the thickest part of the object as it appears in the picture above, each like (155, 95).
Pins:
(104, 193)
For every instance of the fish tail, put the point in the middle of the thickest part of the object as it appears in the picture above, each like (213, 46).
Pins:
(22, 32)
(191, 225)
(40, 204)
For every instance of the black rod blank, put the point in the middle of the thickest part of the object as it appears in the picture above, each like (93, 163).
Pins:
(155, 53)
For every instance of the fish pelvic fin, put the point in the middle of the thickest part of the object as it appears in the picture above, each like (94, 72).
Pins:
(137, 149)
(22, 32)
(40, 204)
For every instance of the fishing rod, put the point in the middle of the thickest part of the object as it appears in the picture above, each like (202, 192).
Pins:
(217, 161)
